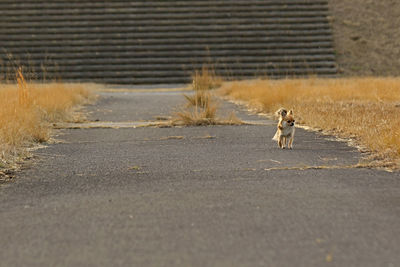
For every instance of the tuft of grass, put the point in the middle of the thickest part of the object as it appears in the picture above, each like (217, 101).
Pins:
(205, 79)
(364, 109)
(27, 111)
(195, 117)
(200, 98)
(232, 119)
(200, 108)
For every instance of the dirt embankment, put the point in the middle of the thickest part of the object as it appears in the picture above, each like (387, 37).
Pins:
(367, 36)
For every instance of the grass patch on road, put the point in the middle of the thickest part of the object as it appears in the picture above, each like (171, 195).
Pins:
(28, 110)
(366, 110)
(201, 106)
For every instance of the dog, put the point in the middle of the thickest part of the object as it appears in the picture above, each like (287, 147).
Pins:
(285, 129)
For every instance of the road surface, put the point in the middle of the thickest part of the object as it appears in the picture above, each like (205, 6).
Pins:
(195, 196)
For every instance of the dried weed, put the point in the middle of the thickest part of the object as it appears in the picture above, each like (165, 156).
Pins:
(27, 111)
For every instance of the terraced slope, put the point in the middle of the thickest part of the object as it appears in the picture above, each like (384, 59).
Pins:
(154, 42)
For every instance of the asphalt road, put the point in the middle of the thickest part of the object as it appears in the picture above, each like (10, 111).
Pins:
(195, 196)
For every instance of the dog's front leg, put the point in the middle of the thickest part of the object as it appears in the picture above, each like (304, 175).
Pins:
(290, 145)
(280, 141)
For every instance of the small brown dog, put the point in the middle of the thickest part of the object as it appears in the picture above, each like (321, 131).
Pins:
(285, 132)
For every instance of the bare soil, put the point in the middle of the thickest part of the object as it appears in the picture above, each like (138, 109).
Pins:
(367, 36)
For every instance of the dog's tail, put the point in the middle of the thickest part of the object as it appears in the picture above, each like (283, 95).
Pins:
(281, 112)
(276, 136)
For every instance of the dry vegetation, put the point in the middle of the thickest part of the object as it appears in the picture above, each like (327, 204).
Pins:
(206, 79)
(364, 109)
(201, 107)
(28, 110)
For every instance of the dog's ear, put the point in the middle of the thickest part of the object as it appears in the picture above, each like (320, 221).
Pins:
(290, 112)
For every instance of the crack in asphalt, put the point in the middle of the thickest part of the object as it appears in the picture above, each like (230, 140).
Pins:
(134, 124)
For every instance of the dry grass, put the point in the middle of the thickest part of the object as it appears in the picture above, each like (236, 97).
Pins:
(199, 110)
(365, 109)
(201, 107)
(206, 79)
(200, 98)
(28, 110)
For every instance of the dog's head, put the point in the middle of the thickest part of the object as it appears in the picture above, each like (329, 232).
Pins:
(289, 119)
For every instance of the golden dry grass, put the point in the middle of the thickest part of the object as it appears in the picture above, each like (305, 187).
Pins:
(28, 110)
(365, 109)
(200, 109)
(206, 79)
(201, 106)
(200, 98)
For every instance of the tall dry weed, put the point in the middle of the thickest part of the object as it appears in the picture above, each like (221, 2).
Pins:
(201, 107)
(27, 111)
(205, 79)
(366, 109)
(23, 98)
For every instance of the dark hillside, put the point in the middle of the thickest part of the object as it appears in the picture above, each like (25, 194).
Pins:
(367, 36)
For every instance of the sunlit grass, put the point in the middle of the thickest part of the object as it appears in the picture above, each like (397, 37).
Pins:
(365, 109)
(206, 79)
(202, 106)
(200, 109)
(28, 110)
